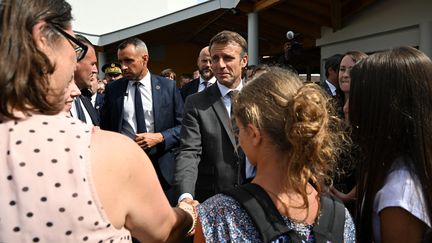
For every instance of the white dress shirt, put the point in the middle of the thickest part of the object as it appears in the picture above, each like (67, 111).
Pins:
(332, 88)
(93, 99)
(129, 125)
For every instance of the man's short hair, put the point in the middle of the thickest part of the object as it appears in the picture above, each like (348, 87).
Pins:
(138, 43)
(227, 36)
(333, 62)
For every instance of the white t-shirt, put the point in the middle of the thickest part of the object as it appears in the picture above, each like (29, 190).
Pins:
(401, 189)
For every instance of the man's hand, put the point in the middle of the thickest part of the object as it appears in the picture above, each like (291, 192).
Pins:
(190, 206)
(190, 201)
(148, 140)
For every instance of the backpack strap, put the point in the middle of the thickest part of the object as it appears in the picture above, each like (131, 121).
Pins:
(270, 224)
(331, 223)
(261, 209)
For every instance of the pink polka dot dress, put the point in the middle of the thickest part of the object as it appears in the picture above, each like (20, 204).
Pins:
(46, 189)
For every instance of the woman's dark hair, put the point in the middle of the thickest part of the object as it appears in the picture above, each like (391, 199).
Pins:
(356, 56)
(390, 111)
(24, 69)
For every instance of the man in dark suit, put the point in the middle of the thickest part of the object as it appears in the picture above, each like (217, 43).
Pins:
(331, 84)
(331, 72)
(96, 98)
(206, 77)
(146, 107)
(98, 101)
(82, 107)
(209, 158)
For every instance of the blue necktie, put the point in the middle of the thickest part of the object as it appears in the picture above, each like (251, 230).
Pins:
(79, 109)
(139, 110)
(234, 127)
(235, 130)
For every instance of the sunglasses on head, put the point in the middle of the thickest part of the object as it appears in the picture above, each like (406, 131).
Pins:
(80, 48)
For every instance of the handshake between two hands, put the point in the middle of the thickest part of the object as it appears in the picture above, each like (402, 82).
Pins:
(190, 206)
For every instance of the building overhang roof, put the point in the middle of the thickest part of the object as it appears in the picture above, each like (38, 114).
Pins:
(99, 37)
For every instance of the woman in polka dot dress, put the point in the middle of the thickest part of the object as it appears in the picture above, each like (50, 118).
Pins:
(61, 181)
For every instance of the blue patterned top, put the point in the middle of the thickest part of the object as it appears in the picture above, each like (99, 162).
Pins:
(224, 220)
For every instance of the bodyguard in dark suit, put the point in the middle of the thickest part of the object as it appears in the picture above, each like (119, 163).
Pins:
(99, 101)
(92, 94)
(331, 84)
(209, 160)
(92, 112)
(206, 77)
(82, 107)
(96, 100)
(331, 66)
(145, 107)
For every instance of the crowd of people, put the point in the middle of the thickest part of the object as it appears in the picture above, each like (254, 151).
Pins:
(139, 159)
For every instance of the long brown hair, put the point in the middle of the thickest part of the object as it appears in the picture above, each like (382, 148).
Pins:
(24, 69)
(390, 111)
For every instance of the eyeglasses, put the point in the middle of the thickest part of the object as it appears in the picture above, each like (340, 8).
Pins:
(80, 49)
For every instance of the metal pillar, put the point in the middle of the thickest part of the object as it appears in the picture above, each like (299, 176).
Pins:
(253, 38)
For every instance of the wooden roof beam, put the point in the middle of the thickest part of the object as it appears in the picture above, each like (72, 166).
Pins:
(292, 24)
(216, 16)
(305, 16)
(245, 6)
(336, 14)
(350, 8)
(278, 31)
(309, 6)
(265, 4)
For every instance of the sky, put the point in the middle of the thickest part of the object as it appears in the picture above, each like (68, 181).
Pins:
(98, 17)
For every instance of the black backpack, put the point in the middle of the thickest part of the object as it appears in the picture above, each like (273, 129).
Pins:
(270, 224)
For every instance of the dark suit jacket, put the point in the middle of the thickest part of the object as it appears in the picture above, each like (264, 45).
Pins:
(325, 86)
(190, 88)
(96, 108)
(99, 102)
(207, 162)
(167, 112)
(90, 109)
(338, 99)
